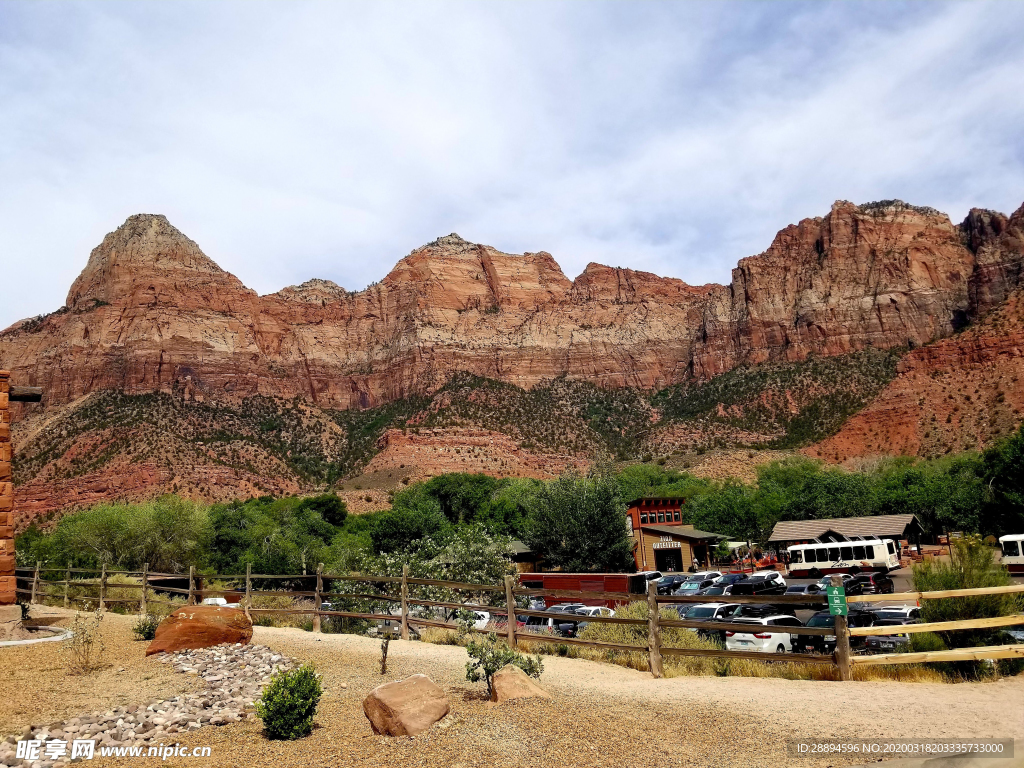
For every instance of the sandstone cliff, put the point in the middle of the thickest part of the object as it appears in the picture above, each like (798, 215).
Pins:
(151, 312)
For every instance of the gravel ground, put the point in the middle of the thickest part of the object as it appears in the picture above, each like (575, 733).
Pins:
(601, 715)
(37, 690)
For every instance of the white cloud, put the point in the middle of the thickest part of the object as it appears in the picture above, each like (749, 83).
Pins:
(294, 140)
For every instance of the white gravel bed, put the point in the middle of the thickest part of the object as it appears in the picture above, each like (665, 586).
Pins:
(235, 676)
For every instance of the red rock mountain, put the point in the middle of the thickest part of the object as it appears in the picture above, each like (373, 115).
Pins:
(151, 313)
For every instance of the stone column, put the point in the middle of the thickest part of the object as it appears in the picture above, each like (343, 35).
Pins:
(10, 614)
(7, 594)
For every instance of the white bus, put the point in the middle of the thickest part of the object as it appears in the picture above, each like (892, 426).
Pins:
(813, 560)
(1013, 552)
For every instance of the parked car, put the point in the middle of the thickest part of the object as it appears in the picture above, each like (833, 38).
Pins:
(826, 581)
(771, 575)
(566, 607)
(707, 612)
(889, 643)
(806, 590)
(759, 585)
(594, 610)
(827, 643)
(706, 575)
(731, 578)
(771, 634)
(215, 601)
(649, 575)
(869, 584)
(693, 586)
(716, 590)
(897, 612)
(669, 584)
(758, 611)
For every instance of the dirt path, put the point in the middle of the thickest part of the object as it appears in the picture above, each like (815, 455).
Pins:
(601, 715)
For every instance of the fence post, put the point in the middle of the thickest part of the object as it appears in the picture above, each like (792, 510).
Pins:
(67, 583)
(35, 583)
(654, 628)
(191, 585)
(248, 590)
(316, 597)
(144, 602)
(103, 589)
(510, 615)
(405, 602)
(842, 640)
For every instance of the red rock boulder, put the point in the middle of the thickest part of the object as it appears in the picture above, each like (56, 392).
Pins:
(200, 626)
(510, 682)
(405, 707)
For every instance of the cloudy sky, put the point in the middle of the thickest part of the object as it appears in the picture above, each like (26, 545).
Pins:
(304, 139)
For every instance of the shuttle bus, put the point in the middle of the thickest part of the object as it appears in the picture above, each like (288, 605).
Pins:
(1013, 552)
(814, 560)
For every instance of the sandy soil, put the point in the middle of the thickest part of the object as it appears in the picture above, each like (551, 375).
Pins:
(601, 715)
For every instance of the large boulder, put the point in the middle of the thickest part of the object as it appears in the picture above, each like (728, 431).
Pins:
(510, 682)
(405, 707)
(200, 626)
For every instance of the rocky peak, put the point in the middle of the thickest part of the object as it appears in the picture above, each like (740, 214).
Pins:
(145, 242)
(314, 291)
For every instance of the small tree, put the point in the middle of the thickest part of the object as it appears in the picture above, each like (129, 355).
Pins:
(971, 565)
(81, 653)
(289, 703)
(489, 655)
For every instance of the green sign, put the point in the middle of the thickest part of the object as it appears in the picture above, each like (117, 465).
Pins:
(836, 600)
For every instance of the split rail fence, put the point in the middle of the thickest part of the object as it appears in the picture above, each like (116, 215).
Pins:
(502, 601)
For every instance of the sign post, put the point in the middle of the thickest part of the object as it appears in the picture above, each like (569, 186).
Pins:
(837, 607)
(837, 600)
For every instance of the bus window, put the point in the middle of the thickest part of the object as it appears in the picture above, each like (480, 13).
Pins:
(812, 555)
(833, 553)
(869, 553)
(1011, 549)
(846, 553)
(858, 553)
(798, 556)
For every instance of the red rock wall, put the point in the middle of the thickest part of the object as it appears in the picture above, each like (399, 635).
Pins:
(7, 594)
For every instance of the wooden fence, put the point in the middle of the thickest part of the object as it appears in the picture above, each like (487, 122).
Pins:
(502, 601)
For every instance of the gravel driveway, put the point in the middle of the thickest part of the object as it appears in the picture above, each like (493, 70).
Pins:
(601, 715)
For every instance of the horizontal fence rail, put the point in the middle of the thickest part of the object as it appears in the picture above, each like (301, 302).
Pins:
(319, 603)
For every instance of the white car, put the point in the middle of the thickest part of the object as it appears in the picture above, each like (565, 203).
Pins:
(595, 610)
(772, 575)
(768, 635)
(702, 575)
(481, 620)
(215, 601)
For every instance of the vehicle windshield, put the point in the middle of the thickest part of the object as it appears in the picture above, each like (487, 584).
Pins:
(795, 589)
(1011, 549)
(822, 621)
(700, 613)
(690, 586)
(882, 615)
(714, 591)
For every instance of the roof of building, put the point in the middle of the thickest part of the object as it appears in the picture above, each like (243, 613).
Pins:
(682, 532)
(638, 499)
(519, 548)
(867, 525)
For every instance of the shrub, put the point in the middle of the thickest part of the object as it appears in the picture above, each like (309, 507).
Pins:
(81, 653)
(145, 627)
(289, 703)
(489, 655)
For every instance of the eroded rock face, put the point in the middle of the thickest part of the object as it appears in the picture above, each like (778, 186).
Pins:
(405, 707)
(152, 312)
(510, 682)
(200, 626)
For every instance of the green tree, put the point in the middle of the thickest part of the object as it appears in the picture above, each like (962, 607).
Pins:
(578, 524)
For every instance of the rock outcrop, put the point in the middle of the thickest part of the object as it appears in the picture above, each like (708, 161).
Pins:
(405, 707)
(152, 312)
(201, 626)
